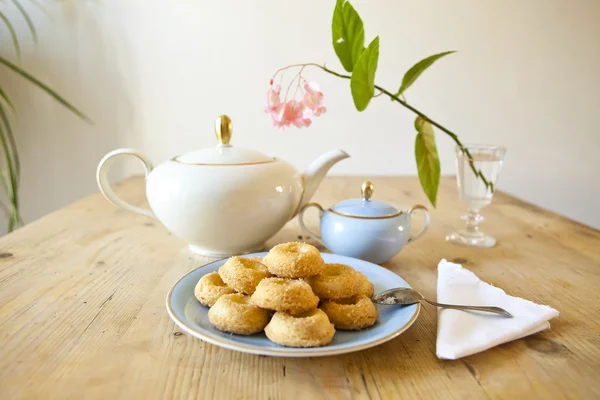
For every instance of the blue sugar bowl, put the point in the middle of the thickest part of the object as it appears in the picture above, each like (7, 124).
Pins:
(367, 229)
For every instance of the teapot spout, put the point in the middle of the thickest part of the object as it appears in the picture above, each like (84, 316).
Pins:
(315, 173)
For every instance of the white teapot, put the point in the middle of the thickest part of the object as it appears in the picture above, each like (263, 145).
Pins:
(222, 200)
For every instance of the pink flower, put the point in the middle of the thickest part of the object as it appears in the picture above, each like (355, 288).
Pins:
(292, 113)
(273, 100)
(313, 99)
(292, 110)
(278, 120)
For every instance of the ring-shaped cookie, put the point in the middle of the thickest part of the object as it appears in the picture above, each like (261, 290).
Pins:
(243, 274)
(294, 260)
(235, 314)
(288, 295)
(336, 281)
(351, 314)
(365, 287)
(210, 287)
(309, 329)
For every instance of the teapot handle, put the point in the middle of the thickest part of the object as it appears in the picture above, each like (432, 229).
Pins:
(104, 184)
(427, 220)
(303, 226)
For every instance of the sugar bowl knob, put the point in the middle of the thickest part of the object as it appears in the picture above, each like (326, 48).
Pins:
(367, 190)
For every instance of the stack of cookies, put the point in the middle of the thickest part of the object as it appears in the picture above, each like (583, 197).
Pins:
(291, 294)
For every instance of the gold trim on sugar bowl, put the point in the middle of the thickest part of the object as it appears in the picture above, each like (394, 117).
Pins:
(366, 217)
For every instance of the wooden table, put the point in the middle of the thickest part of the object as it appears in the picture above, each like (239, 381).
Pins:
(82, 312)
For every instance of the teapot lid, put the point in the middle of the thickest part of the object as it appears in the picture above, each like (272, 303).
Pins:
(223, 154)
(365, 207)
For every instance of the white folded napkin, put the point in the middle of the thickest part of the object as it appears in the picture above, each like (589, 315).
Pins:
(463, 333)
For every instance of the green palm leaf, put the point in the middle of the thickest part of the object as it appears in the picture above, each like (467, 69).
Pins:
(12, 184)
(6, 100)
(27, 19)
(45, 88)
(13, 35)
(10, 165)
(14, 157)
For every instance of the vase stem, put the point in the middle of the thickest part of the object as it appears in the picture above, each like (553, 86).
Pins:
(473, 219)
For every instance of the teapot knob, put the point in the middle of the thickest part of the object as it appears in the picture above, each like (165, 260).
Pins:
(223, 128)
(367, 190)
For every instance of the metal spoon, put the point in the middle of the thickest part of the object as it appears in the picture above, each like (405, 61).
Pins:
(406, 296)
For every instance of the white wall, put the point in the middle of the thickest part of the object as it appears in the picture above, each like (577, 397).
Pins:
(154, 74)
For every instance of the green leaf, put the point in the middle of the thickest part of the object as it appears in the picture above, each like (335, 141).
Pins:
(428, 162)
(6, 100)
(27, 19)
(13, 35)
(12, 143)
(348, 34)
(12, 185)
(412, 74)
(362, 82)
(4, 180)
(44, 87)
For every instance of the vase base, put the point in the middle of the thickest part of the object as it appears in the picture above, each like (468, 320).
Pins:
(463, 239)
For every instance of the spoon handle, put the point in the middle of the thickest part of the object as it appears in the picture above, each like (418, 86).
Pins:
(495, 310)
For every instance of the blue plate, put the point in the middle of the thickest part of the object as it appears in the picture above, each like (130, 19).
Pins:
(192, 317)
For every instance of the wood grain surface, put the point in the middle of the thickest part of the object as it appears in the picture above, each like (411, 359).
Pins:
(82, 311)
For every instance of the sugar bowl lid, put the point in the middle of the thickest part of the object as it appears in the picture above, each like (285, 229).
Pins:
(224, 153)
(365, 207)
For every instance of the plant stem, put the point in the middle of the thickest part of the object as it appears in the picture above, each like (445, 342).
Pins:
(454, 137)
